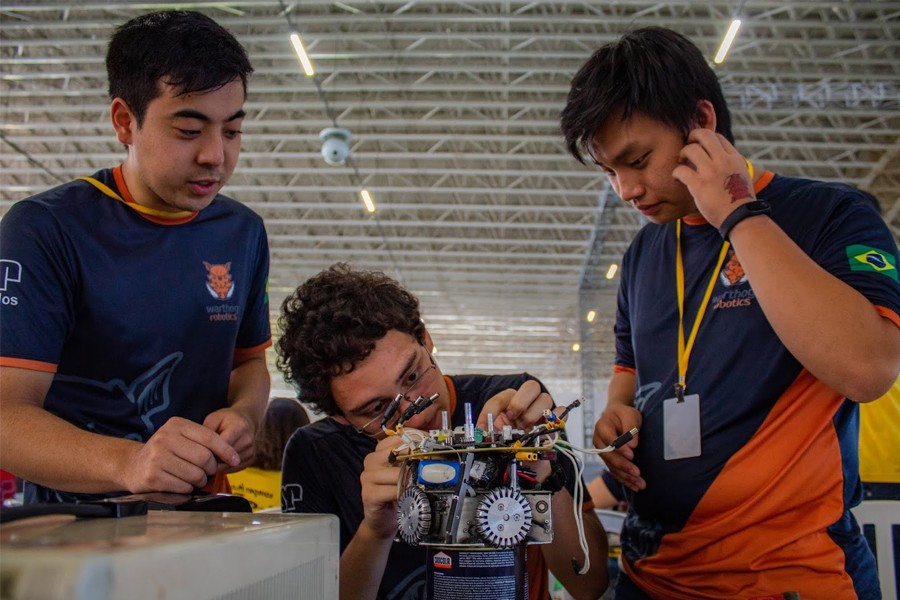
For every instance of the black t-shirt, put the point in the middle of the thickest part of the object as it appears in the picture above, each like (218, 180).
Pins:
(323, 462)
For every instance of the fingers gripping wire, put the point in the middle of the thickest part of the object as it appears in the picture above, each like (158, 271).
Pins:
(553, 421)
(568, 450)
(417, 406)
(616, 443)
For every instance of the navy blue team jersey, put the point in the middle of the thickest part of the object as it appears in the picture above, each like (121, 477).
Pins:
(140, 317)
(765, 508)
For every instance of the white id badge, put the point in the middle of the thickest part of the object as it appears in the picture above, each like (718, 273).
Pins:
(681, 427)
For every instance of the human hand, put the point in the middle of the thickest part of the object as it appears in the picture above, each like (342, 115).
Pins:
(520, 408)
(615, 421)
(715, 174)
(238, 431)
(180, 456)
(379, 488)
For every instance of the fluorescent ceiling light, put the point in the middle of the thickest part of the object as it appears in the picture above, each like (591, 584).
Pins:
(726, 43)
(367, 200)
(576, 347)
(591, 315)
(301, 54)
(611, 271)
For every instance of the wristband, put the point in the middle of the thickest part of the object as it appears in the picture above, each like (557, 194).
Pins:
(744, 211)
(556, 480)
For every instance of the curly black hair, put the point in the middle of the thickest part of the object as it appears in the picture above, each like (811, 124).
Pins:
(331, 322)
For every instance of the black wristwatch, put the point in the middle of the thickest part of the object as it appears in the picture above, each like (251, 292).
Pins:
(750, 209)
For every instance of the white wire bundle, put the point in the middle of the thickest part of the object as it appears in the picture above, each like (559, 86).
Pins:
(565, 448)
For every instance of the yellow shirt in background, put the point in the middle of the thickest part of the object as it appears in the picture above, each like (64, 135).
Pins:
(261, 488)
(879, 438)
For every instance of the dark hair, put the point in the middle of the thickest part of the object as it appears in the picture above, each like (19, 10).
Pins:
(184, 49)
(283, 417)
(331, 323)
(652, 71)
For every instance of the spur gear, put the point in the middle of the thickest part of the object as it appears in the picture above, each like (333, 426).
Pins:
(413, 516)
(504, 518)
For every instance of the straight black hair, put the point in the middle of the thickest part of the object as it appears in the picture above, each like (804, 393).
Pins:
(184, 49)
(652, 71)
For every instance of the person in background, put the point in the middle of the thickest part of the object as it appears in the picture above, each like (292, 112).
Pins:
(260, 483)
(751, 309)
(879, 446)
(879, 436)
(132, 357)
(352, 342)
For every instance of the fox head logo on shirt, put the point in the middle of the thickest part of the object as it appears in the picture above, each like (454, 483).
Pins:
(218, 280)
(736, 293)
(732, 273)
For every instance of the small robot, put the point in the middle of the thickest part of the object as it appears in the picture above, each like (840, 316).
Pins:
(467, 488)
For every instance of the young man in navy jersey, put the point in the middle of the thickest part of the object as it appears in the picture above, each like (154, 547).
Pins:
(132, 359)
(351, 342)
(751, 307)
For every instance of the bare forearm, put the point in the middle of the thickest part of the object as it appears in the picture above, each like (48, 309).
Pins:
(621, 389)
(362, 564)
(820, 319)
(248, 389)
(566, 547)
(75, 461)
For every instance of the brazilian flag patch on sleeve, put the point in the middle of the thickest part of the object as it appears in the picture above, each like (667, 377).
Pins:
(866, 258)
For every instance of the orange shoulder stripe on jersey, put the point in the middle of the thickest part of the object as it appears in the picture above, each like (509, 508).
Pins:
(767, 512)
(888, 314)
(621, 369)
(244, 353)
(31, 365)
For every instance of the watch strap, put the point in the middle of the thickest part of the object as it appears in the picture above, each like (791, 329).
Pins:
(744, 211)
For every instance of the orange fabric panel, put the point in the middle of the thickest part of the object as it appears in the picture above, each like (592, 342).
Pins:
(24, 363)
(241, 354)
(767, 510)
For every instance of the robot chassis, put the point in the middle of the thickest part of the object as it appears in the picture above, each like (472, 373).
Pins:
(465, 488)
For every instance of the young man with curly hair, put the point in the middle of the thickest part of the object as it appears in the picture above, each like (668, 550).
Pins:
(351, 342)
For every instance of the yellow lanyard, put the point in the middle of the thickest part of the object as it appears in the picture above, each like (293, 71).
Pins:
(684, 350)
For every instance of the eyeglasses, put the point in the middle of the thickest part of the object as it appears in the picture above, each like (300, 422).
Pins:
(416, 381)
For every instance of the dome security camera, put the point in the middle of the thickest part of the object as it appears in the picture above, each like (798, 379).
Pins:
(335, 145)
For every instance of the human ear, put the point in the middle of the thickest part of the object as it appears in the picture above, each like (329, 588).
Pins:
(706, 115)
(124, 121)
(428, 342)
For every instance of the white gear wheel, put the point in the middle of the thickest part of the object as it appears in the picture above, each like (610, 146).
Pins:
(504, 518)
(413, 516)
